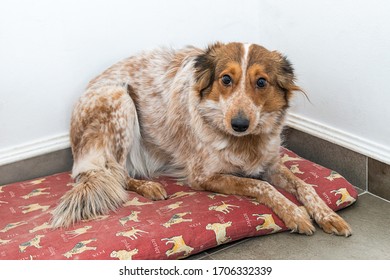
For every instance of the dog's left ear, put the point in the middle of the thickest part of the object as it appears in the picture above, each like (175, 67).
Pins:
(285, 76)
(205, 69)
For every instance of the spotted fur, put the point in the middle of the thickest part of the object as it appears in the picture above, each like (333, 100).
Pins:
(176, 113)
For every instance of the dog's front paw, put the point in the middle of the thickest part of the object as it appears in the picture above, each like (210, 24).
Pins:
(333, 223)
(300, 222)
(152, 190)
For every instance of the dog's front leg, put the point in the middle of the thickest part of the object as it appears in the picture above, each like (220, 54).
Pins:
(280, 176)
(294, 218)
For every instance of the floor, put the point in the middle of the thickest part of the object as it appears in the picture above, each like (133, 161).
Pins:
(369, 218)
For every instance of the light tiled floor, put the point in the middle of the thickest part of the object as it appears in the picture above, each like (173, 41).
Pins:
(369, 218)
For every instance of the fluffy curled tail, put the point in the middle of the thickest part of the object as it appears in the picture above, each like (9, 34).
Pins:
(100, 134)
(95, 193)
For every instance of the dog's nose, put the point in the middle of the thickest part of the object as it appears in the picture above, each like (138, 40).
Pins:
(240, 123)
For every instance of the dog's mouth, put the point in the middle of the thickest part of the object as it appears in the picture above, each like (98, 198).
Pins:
(237, 133)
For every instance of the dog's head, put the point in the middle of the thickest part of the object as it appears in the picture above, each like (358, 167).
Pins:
(243, 88)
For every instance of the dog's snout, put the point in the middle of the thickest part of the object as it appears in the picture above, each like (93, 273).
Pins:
(240, 123)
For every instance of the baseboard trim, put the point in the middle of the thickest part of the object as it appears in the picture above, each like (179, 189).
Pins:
(33, 149)
(341, 138)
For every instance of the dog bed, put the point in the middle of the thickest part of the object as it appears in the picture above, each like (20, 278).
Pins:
(187, 223)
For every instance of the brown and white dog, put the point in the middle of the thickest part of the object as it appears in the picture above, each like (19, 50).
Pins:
(212, 117)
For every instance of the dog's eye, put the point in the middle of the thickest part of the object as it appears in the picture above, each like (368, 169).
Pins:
(226, 80)
(261, 82)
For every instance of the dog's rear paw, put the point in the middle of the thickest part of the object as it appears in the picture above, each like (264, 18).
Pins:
(333, 223)
(152, 190)
(300, 222)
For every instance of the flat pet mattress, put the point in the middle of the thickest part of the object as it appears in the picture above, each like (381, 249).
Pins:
(187, 223)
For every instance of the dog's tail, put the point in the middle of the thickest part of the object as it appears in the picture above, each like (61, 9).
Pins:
(95, 193)
(100, 136)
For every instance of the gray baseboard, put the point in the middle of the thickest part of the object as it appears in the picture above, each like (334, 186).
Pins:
(35, 167)
(363, 172)
(348, 163)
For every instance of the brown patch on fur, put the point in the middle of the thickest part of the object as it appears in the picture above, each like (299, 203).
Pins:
(96, 118)
(213, 61)
(223, 57)
(279, 69)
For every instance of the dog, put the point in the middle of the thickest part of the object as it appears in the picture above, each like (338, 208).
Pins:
(212, 117)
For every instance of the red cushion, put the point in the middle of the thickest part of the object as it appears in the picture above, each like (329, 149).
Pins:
(187, 223)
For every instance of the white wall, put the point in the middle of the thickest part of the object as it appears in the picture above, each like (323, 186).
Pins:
(50, 49)
(341, 52)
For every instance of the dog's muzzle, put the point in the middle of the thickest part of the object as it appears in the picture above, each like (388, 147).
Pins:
(240, 123)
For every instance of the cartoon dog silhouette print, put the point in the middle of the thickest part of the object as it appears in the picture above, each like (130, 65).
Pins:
(295, 169)
(132, 217)
(333, 175)
(268, 223)
(132, 234)
(77, 232)
(123, 254)
(135, 202)
(223, 208)
(214, 195)
(177, 219)
(345, 196)
(179, 246)
(286, 158)
(31, 243)
(12, 226)
(4, 241)
(171, 207)
(80, 248)
(35, 182)
(220, 231)
(36, 192)
(45, 225)
(34, 207)
(181, 194)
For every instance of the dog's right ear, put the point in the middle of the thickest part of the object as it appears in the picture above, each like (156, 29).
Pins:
(205, 69)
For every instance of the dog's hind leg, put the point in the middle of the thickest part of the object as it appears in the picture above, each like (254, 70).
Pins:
(102, 132)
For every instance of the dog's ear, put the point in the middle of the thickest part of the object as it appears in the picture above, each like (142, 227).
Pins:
(285, 76)
(205, 69)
